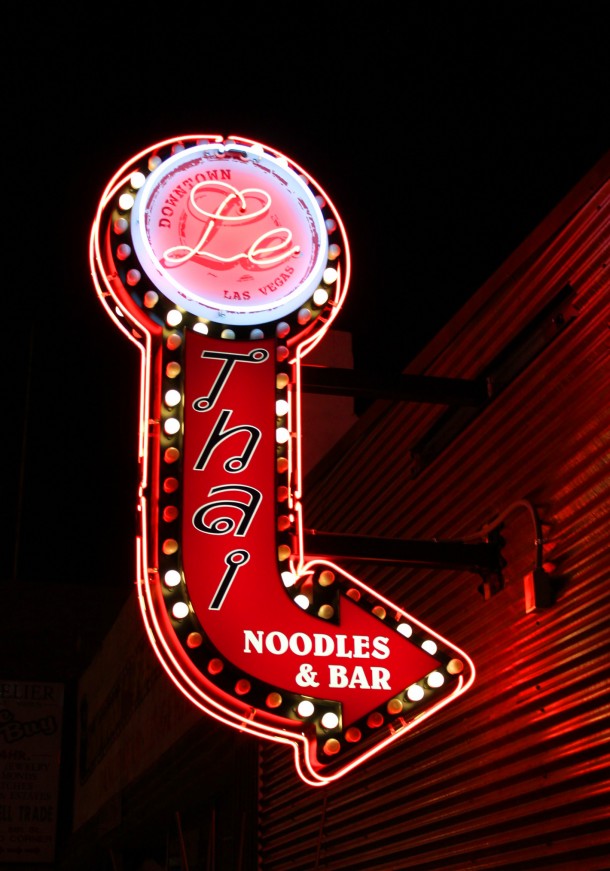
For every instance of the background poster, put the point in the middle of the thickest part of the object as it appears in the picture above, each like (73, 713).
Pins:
(30, 745)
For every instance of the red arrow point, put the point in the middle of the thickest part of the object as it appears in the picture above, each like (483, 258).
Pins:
(394, 664)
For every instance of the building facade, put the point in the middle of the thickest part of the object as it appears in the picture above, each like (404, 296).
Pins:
(515, 774)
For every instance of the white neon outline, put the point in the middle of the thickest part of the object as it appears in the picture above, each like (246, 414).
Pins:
(232, 313)
(147, 576)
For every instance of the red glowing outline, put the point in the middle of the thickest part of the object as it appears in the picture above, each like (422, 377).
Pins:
(142, 337)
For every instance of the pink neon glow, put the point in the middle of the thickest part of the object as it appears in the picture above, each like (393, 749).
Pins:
(268, 247)
(216, 241)
(257, 253)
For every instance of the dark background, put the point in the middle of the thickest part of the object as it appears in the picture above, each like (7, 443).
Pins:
(443, 133)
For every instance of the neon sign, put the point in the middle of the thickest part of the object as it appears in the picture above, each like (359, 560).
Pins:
(225, 264)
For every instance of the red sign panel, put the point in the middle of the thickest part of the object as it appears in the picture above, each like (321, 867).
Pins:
(225, 263)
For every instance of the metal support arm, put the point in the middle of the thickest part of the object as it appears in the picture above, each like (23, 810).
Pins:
(479, 557)
(413, 388)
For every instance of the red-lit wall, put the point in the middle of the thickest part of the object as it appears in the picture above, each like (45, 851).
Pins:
(516, 775)
(513, 775)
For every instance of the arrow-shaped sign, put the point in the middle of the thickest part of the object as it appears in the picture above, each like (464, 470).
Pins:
(226, 264)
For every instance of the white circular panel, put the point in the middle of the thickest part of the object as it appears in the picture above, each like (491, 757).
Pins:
(230, 234)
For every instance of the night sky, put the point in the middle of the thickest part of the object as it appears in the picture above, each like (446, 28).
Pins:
(443, 138)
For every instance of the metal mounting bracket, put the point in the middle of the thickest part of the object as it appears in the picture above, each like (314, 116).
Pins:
(482, 558)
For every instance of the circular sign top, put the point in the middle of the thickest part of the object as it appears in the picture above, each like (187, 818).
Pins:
(230, 234)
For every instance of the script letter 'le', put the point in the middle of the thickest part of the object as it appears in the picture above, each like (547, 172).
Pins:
(225, 264)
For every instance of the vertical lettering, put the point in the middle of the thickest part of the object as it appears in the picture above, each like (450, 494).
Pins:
(234, 561)
(257, 355)
(234, 464)
(223, 525)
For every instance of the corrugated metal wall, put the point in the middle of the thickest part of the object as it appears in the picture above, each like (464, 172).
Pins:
(516, 774)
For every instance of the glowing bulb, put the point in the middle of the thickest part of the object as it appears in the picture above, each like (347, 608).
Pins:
(302, 601)
(304, 316)
(435, 679)
(281, 435)
(215, 666)
(353, 735)
(429, 646)
(194, 639)
(172, 397)
(200, 328)
(305, 708)
(289, 579)
(137, 180)
(180, 610)
(330, 275)
(320, 296)
(455, 666)
(394, 707)
(404, 629)
(330, 720)
(126, 202)
(171, 426)
(281, 407)
(242, 687)
(332, 747)
(326, 578)
(173, 317)
(172, 578)
(415, 693)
